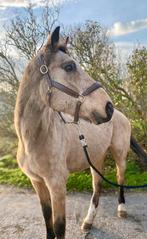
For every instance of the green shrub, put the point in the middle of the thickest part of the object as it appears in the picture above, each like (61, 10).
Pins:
(80, 181)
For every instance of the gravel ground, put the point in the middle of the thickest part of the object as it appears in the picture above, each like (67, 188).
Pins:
(21, 217)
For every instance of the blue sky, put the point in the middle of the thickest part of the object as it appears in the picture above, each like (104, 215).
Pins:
(125, 20)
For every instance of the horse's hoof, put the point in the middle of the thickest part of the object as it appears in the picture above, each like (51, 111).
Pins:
(122, 214)
(121, 211)
(86, 226)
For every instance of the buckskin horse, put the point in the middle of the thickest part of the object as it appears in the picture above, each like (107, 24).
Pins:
(48, 149)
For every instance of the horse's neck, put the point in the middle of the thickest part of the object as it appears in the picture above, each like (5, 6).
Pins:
(32, 116)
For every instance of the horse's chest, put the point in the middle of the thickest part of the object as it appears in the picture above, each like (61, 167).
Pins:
(98, 141)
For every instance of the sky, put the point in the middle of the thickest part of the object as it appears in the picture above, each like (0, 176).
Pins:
(126, 20)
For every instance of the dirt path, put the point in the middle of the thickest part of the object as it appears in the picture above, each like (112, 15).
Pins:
(21, 218)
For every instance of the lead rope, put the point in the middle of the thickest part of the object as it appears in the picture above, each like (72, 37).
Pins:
(85, 148)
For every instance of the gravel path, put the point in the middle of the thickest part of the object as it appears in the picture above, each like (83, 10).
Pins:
(21, 218)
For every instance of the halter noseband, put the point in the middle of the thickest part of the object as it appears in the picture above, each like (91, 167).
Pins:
(54, 84)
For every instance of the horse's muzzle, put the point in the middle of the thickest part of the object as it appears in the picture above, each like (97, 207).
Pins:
(109, 111)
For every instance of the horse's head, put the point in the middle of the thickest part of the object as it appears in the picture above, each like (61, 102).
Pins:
(62, 83)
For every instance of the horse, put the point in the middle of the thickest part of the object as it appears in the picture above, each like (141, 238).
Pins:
(47, 148)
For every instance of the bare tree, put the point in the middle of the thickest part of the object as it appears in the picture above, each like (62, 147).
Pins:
(23, 36)
(92, 48)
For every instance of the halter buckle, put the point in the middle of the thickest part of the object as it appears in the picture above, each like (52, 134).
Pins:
(43, 69)
(81, 98)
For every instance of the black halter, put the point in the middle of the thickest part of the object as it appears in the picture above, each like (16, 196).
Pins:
(54, 84)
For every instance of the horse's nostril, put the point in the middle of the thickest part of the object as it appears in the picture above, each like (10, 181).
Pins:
(109, 109)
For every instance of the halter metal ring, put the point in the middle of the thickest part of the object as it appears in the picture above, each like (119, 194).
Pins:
(49, 90)
(43, 69)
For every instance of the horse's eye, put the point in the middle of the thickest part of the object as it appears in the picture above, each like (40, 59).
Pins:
(70, 67)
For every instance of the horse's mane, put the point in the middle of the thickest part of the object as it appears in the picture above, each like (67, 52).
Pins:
(28, 94)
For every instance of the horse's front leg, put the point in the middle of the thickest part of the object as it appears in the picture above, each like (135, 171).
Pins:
(45, 201)
(57, 188)
(96, 183)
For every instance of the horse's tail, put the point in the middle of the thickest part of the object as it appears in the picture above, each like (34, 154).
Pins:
(137, 149)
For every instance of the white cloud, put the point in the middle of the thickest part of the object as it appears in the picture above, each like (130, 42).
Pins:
(24, 3)
(119, 28)
(11, 3)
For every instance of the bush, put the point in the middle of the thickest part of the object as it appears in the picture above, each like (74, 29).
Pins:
(81, 181)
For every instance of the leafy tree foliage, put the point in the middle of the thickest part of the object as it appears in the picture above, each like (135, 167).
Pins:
(137, 86)
(137, 83)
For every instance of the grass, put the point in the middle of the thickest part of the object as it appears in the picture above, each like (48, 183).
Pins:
(10, 174)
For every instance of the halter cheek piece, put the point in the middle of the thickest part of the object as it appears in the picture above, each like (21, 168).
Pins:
(54, 84)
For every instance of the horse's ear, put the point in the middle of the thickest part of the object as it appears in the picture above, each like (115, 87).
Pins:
(67, 40)
(55, 37)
